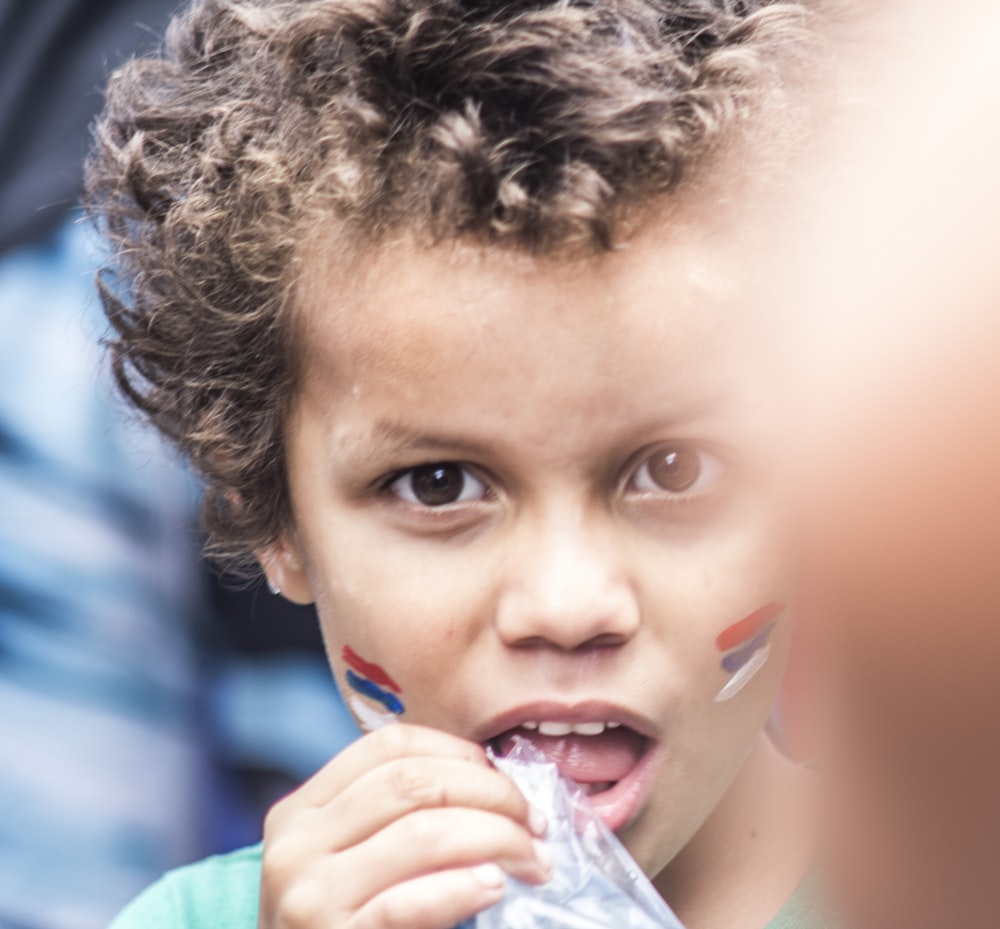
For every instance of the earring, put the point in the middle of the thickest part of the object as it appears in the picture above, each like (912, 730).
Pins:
(274, 588)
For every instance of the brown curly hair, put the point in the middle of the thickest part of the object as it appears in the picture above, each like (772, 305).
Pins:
(530, 124)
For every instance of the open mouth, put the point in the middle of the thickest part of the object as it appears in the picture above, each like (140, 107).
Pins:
(608, 759)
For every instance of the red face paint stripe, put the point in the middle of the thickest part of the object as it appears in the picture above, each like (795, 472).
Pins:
(747, 628)
(372, 671)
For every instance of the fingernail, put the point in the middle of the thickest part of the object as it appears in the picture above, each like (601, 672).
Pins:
(537, 822)
(544, 855)
(489, 875)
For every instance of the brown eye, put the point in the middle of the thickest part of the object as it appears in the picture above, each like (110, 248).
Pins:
(678, 469)
(438, 485)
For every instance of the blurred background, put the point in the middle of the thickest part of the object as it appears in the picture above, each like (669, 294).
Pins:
(149, 712)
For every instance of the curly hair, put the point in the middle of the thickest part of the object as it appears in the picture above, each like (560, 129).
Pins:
(538, 125)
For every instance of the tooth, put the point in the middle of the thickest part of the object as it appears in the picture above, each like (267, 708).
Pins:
(588, 728)
(551, 728)
(612, 725)
(529, 725)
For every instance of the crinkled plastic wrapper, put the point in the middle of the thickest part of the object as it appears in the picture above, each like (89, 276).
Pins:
(596, 884)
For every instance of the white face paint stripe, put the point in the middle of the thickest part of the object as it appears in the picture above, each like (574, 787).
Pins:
(743, 677)
(368, 719)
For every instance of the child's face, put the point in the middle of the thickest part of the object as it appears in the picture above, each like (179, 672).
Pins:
(532, 493)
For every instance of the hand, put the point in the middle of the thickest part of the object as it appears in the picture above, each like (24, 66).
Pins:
(408, 828)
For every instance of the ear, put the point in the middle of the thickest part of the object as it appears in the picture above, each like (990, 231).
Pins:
(285, 570)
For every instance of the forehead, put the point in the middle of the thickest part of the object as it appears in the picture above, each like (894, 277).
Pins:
(406, 310)
(495, 348)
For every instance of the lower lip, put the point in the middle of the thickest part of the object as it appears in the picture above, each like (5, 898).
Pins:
(620, 805)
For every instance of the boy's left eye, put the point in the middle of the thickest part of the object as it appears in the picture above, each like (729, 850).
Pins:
(678, 469)
(438, 484)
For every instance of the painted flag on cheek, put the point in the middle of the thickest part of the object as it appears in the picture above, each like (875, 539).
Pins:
(745, 647)
(373, 682)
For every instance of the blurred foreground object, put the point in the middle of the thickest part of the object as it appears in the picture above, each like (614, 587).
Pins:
(897, 304)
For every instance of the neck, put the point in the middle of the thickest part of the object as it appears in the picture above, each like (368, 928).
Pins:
(751, 853)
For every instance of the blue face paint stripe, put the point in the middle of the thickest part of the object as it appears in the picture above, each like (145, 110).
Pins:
(735, 660)
(372, 691)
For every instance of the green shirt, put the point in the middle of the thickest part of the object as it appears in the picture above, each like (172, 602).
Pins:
(221, 893)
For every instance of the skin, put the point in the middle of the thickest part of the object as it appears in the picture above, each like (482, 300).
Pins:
(565, 572)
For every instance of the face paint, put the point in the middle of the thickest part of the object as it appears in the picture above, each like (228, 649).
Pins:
(745, 674)
(746, 648)
(368, 719)
(375, 673)
(738, 658)
(372, 691)
(747, 628)
(374, 683)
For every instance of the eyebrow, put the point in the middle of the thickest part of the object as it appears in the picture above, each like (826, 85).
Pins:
(400, 437)
(394, 436)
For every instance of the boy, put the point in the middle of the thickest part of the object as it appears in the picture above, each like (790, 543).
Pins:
(444, 301)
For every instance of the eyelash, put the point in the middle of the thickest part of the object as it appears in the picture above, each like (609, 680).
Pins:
(712, 469)
(465, 473)
(709, 461)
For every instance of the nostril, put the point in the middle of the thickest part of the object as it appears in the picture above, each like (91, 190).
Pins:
(604, 642)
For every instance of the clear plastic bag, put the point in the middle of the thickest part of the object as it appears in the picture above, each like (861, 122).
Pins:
(596, 884)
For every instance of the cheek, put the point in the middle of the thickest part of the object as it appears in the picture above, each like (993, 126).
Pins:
(746, 647)
(370, 691)
(413, 616)
(723, 620)
(724, 593)
(373, 664)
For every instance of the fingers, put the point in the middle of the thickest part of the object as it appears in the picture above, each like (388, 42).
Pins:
(445, 898)
(375, 749)
(418, 844)
(405, 785)
(434, 840)
(407, 827)
(440, 900)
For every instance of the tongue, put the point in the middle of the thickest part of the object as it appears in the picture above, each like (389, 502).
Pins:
(586, 759)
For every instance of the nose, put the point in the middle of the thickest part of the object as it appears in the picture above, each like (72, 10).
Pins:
(566, 587)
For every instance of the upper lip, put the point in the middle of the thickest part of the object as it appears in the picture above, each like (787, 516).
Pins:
(559, 711)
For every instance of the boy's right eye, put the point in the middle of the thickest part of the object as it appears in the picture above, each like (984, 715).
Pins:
(438, 484)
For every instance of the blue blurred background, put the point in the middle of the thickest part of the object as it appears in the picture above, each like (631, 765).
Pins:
(149, 711)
